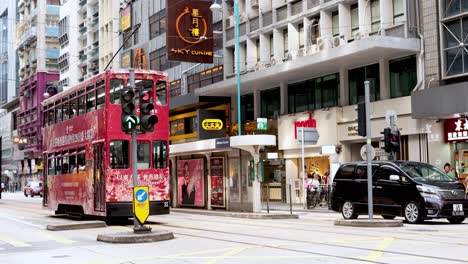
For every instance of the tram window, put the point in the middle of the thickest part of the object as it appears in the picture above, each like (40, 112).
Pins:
(50, 166)
(81, 162)
(159, 154)
(58, 113)
(161, 91)
(72, 112)
(65, 165)
(58, 166)
(143, 84)
(65, 108)
(90, 99)
(101, 97)
(143, 155)
(115, 86)
(119, 150)
(81, 102)
(44, 117)
(72, 160)
(51, 119)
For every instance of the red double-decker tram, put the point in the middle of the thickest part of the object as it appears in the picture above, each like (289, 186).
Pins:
(87, 155)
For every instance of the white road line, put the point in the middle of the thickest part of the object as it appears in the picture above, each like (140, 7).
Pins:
(22, 222)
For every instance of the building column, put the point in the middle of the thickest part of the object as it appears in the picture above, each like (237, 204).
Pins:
(284, 98)
(257, 105)
(278, 43)
(243, 56)
(344, 13)
(251, 53)
(234, 109)
(208, 180)
(344, 87)
(364, 16)
(326, 24)
(384, 74)
(228, 61)
(264, 48)
(386, 14)
(293, 38)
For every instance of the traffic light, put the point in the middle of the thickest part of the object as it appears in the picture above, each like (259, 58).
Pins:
(387, 146)
(128, 119)
(361, 108)
(395, 141)
(147, 119)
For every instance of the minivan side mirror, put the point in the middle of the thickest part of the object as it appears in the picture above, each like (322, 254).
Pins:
(394, 178)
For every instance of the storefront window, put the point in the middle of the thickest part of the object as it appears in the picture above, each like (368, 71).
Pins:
(356, 83)
(270, 102)
(403, 76)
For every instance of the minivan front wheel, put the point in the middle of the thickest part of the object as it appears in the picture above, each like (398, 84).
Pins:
(347, 210)
(412, 213)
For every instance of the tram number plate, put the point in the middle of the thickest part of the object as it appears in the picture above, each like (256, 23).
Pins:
(458, 210)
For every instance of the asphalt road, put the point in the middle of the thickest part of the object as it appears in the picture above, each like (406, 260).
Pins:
(210, 239)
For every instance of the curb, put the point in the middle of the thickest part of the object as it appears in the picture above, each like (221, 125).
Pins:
(369, 223)
(75, 226)
(131, 238)
(235, 214)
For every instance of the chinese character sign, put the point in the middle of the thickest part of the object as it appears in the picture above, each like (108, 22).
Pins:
(191, 37)
(456, 130)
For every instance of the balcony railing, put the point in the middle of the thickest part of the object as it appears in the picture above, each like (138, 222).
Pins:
(25, 34)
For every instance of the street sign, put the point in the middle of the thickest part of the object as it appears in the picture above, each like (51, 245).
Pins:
(141, 203)
(131, 121)
(262, 123)
(364, 152)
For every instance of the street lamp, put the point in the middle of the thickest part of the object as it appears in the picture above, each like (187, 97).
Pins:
(215, 7)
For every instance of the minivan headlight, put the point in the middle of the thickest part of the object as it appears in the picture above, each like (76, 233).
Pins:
(428, 192)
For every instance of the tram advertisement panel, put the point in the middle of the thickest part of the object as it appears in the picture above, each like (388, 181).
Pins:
(191, 182)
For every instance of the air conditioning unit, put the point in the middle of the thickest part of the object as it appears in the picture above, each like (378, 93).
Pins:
(360, 34)
(337, 41)
(230, 21)
(254, 3)
(322, 43)
(312, 49)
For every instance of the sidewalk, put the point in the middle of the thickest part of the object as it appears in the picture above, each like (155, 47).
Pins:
(263, 215)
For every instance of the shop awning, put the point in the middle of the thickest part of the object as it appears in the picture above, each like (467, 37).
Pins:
(210, 145)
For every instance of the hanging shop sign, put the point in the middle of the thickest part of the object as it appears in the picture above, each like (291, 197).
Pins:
(191, 37)
(307, 130)
(139, 61)
(211, 123)
(456, 130)
(126, 18)
(20, 140)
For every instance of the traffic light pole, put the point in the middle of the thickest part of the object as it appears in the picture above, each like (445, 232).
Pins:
(369, 146)
(136, 225)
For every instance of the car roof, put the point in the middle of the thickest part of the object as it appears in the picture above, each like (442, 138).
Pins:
(386, 162)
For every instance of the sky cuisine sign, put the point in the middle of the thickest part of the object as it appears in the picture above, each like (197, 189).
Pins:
(191, 37)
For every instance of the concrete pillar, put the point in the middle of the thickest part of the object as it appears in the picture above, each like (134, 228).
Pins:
(284, 98)
(344, 87)
(344, 13)
(243, 56)
(307, 32)
(228, 61)
(364, 16)
(278, 43)
(234, 109)
(293, 38)
(251, 53)
(264, 48)
(173, 180)
(326, 24)
(208, 181)
(386, 14)
(256, 96)
(384, 75)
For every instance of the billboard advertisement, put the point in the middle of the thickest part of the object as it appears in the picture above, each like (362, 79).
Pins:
(191, 184)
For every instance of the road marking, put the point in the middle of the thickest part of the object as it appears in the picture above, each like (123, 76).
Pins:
(13, 242)
(22, 222)
(378, 252)
(56, 238)
(228, 254)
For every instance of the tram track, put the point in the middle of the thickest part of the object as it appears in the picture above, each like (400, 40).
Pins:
(330, 245)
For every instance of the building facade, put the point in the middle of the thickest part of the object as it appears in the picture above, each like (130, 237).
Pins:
(8, 86)
(109, 42)
(441, 100)
(38, 50)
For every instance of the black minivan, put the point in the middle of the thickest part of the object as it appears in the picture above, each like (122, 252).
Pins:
(414, 190)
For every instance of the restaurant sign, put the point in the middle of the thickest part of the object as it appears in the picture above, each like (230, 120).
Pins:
(191, 37)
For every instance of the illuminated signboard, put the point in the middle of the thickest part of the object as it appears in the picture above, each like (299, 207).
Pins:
(126, 18)
(212, 124)
(191, 37)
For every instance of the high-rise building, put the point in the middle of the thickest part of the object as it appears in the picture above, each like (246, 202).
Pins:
(8, 87)
(440, 103)
(38, 50)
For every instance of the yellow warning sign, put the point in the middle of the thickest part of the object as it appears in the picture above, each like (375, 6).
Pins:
(141, 203)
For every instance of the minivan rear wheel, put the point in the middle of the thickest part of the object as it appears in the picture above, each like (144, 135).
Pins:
(456, 219)
(412, 213)
(347, 210)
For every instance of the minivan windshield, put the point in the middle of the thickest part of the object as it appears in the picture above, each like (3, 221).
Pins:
(425, 173)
